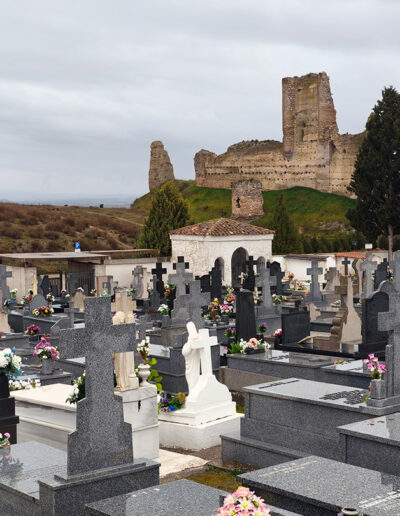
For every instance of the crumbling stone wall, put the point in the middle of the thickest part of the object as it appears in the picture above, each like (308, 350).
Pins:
(247, 200)
(312, 154)
(161, 168)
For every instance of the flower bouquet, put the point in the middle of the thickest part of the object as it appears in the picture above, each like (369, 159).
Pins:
(50, 298)
(10, 363)
(377, 370)
(27, 299)
(241, 502)
(46, 353)
(278, 336)
(226, 310)
(78, 392)
(43, 311)
(144, 349)
(104, 294)
(262, 328)
(8, 303)
(169, 403)
(230, 333)
(13, 293)
(169, 291)
(32, 330)
(163, 309)
(4, 440)
(254, 346)
(20, 385)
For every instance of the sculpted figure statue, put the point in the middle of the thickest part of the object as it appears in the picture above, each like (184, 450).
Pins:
(124, 362)
(192, 357)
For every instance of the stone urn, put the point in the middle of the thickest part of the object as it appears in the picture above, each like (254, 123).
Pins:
(378, 389)
(47, 367)
(144, 373)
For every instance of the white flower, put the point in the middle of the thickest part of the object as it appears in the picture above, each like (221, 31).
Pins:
(16, 361)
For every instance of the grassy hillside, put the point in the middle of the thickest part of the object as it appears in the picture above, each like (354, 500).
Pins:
(315, 213)
(26, 228)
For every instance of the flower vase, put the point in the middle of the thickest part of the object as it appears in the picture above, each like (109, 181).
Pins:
(278, 339)
(144, 373)
(4, 389)
(225, 319)
(47, 367)
(34, 339)
(378, 389)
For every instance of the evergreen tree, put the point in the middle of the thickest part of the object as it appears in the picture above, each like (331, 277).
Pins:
(286, 238)
(168, 211)
(306, 244)
(376, 176)
(314, 244)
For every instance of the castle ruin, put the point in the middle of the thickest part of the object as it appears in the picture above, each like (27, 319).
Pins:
(161, 168)
(313, 153)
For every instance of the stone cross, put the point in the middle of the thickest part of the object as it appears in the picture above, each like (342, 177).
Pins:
(368, 267)
(159, 270)
(154, 294)
(357, 266)
(314, 272)
(4, 274)
(346, 263)
(395, 265)
(102, 439)
(332, 279)
(137, 281)
(278, 274)
(250, 281)
(197, 353)
(381, 273)
(194, 303)
(242, 277)
(71, 313)
(181, 277)
(266, 281)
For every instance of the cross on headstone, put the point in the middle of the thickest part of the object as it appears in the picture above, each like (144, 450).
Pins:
(71, 313)
(276, 271)
(249, 282)
(194, 301)
(332, 279)
(181, 277)
(154, 294)
(102, 439)
(159, 270)
(216, 283)
(346, 263)
(314, 272)
(368, 267)
(4, 274)
(381, 273)
(137, 281)
(357, 267)
(242, 277)
(395, 266)
(266, 281)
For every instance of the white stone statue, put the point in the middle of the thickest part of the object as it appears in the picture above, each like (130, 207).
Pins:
(124, 362)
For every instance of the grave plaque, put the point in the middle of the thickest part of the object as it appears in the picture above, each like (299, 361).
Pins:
(295, 326)
(245, 316)
(372, 306)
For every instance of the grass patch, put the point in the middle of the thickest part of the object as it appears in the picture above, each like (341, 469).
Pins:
(216, 478)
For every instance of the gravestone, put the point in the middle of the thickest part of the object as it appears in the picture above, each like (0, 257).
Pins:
(368, 267)
(205, 282)
(123, 302)
(245, 316)
(357, 267)
(78, 298)
(332, 279)
(37, 302)
(216, 284)
(154, 294)
(266, 281)
(5, 291)
(193, 303)
(159, 271)
(373, 339)
(8, 419)
(346, 262)
(296, 326)
(137, 284)
(4, 326)
(315, 295)
(45, 286)
(381, 273)
(276, 271)
(180, 278)
(250, 281)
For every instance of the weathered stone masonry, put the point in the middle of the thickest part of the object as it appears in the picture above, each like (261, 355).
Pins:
(312, 154)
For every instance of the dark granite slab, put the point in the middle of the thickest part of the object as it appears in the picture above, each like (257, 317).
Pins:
(183, 498)
(321, 487)
(349, 373)
(22, 465)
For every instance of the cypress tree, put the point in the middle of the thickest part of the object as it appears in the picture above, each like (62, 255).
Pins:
(376, 176)
(286, 238)
(168, 211)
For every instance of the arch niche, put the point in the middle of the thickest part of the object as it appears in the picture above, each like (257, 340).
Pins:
(238, 265)
(219, 265)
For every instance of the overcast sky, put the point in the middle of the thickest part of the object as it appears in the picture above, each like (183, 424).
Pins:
(86, 85)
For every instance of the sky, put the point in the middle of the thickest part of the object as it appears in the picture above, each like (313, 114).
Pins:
(87, 85)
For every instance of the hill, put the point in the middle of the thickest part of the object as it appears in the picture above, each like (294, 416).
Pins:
(315, 213)
(32, 228)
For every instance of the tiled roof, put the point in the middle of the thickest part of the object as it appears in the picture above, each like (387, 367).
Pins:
(222, 227)
(351, 254)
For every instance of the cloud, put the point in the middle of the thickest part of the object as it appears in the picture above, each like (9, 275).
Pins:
(86, 86)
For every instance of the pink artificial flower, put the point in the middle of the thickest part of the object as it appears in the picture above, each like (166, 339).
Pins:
(371, 356)
(366, 361)
(7, 435)
(34, 353)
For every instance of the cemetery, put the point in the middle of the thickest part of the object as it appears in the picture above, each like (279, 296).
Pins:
(221, 344)
(156, 362)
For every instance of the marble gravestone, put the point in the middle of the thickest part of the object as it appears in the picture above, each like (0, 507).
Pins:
(123, 302)
(266, 281)
(99, 461)
(5, 291)
(154, 296)
(180, 313)
(216, 283)
(193, 303)
(373, 340)
(4, 326)
(78, 298)
(137, 283)
(37, 302)
(209, 409)
(245, 316)
(315, 295)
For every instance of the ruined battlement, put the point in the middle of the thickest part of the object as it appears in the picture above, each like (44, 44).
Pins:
(313, 153)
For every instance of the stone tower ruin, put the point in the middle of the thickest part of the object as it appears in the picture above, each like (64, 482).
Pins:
(161, 168)
(313, 153)
(247, 200)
